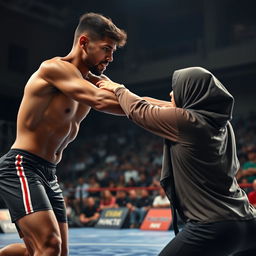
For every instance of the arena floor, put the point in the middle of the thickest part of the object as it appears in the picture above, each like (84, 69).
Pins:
(124, 242)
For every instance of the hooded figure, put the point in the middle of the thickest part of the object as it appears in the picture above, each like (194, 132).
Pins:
(199, 163)
(203, 159)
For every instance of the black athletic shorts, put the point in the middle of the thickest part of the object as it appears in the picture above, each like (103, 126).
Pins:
(28, 184)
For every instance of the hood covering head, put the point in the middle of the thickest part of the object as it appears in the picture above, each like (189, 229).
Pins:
(198, 90)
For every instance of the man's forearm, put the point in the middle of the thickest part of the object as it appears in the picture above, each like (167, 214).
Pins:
(249, 172)
(107, 102)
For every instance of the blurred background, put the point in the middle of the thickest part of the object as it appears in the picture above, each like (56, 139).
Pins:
(163, 35)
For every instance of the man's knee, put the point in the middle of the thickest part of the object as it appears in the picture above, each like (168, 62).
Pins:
(49, 244)
(52, 243)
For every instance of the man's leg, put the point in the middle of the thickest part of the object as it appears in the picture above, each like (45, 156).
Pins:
(142, 213)
(41, 232)
(133, 215)
(18, 249)
(64, 238)
(14, 250)
(30, 250)
(27, 249)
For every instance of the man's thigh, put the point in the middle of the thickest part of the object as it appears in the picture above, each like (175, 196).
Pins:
(37, 227)
(23, 198)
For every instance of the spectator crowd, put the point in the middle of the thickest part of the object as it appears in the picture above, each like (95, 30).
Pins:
(121, 168)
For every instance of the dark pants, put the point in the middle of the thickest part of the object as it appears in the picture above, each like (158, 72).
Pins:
(227, 238)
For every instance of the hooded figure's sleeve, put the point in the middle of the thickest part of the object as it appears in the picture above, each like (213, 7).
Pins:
(161, 121)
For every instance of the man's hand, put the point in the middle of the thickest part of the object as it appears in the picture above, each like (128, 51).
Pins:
(109, 85)
(95, 79)
(86, 220)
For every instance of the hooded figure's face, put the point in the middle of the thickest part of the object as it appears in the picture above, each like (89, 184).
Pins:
(172, 99)
(198, 90)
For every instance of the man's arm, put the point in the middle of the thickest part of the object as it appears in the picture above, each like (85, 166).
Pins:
(83, 218)
(67, 78)
(249, 172)
(95, 216)
(157, 204)
(161, 121)
(161, 103)
(245, 173)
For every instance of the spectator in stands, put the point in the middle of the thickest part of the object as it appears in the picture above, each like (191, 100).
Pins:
(90, 213)
(107, 200)
(161, 200)
(131, 183)
(248, 169)
(73, 220)
(143, 205)
(106, 178)
(132, 206)
(80, 193)
(144, 180)
(112, 185)
(93, 184)
(138, 207)
(68, 190)
(130, 172)
(243, 183)
(252, 194)
(121, 199)
(120, 181)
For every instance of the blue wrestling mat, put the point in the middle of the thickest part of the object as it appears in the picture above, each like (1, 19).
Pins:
(107, 242)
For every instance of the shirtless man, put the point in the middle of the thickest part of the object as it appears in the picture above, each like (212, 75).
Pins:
(56, 99)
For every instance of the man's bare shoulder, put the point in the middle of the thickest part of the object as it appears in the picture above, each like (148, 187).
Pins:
(58, 68)
(49, 71)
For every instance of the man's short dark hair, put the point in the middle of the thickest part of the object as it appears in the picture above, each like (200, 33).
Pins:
(98, 27)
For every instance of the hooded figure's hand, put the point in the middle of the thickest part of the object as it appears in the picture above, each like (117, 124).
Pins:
(109, 85)
(95, 79)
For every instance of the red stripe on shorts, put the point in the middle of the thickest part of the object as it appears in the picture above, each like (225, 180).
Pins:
(24, 185)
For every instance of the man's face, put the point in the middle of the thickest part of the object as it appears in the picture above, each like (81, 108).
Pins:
(132, 194)
(121, 194)
(99, 54)
(90, 202)
(252, 156)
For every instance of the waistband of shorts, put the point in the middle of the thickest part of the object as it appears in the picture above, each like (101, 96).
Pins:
(35, 157)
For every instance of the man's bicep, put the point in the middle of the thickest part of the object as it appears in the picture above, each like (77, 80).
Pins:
(77, 89)
(69, 81)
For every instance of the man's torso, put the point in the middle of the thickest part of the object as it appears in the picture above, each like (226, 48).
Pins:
(47, 120)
